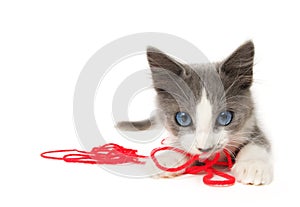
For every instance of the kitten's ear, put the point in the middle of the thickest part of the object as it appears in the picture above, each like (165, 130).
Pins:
(158, 60)
(237, 69)
(168, 75)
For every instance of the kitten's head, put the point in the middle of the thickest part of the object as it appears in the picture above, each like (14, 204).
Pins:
(205, 106)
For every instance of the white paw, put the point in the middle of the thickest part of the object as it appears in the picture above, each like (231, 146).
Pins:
(255, 172)
(169, 160)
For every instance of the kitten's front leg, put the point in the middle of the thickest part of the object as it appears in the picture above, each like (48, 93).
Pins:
(253, 165)
(169, 159)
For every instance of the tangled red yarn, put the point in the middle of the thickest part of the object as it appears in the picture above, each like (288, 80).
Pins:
(115, 154)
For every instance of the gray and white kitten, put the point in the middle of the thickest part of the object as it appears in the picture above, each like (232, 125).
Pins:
(207, 108)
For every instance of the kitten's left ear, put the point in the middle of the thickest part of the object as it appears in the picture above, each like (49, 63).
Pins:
(237, 69)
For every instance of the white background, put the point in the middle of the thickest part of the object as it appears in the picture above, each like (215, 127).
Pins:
(43, 48)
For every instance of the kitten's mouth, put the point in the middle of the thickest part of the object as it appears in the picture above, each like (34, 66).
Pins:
(208, 152)
(211, 149)
(203, 150)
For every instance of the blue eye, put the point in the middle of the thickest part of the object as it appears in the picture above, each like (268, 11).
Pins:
(183, 119)
(225, 118)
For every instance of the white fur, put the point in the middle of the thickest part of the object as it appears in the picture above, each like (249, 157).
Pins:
(253, 165)
(203, 122)
(204, 137)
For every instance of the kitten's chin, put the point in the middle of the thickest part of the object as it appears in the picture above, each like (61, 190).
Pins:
(193, 151)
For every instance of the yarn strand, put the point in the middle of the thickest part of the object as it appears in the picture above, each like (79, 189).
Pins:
(115, 154)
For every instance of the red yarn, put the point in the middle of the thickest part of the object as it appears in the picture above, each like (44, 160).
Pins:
(207, 167)
(115, 154)
(106, 154)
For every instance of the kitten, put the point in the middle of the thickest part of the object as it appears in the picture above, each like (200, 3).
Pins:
(207, 108)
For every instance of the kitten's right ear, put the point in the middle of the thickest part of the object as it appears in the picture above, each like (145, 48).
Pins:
(158, 60)
(167, 74)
